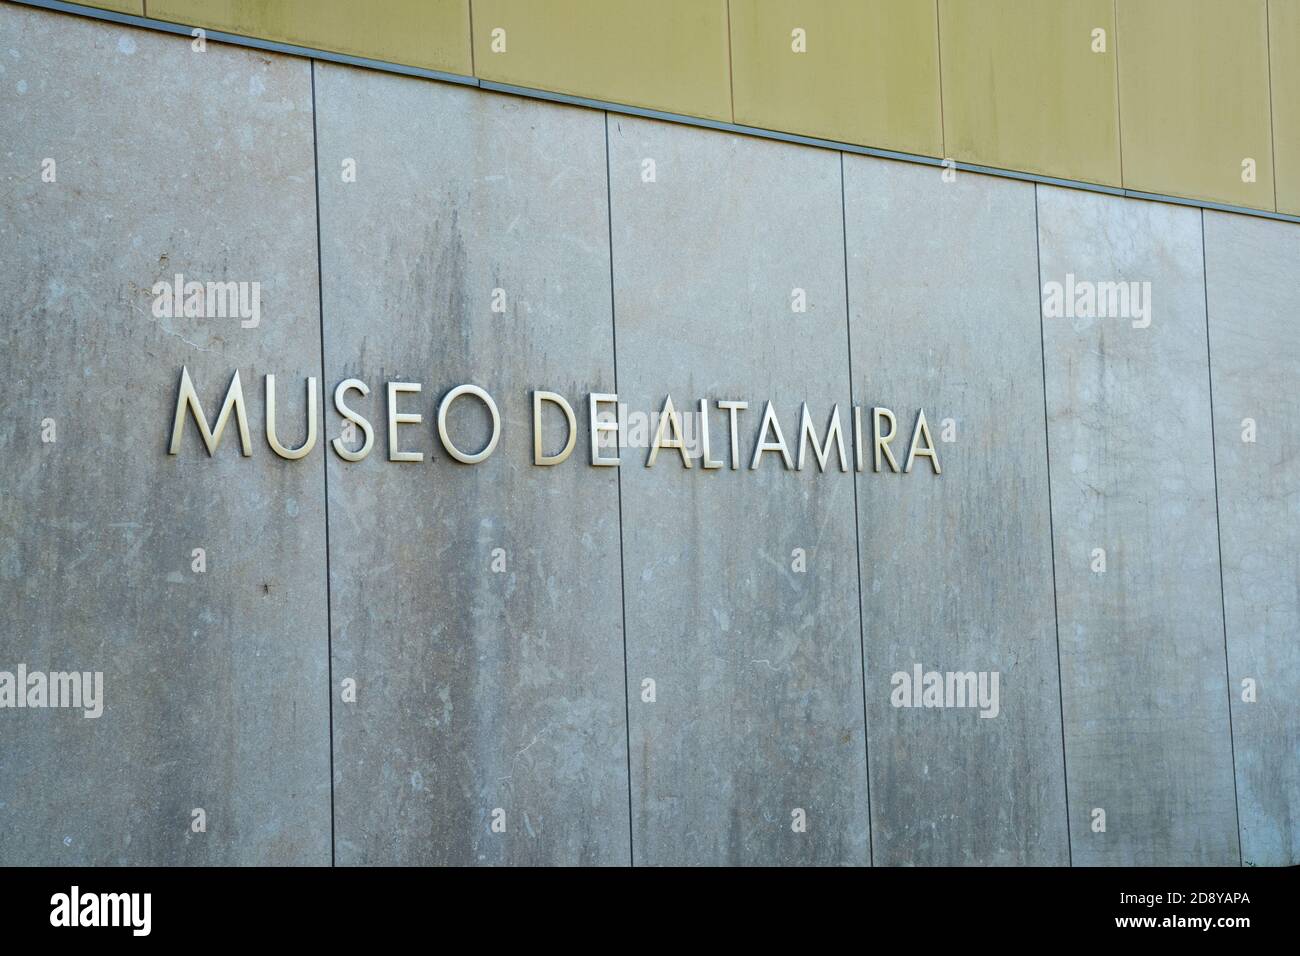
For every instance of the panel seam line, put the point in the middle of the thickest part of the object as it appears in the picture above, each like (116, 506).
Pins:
(857, 514)
(938, 51)
(622, 572)
(1272, 130)
(325, 468)
(1119, 114)
(1051, 526)
(731, 69)
(1218, 538)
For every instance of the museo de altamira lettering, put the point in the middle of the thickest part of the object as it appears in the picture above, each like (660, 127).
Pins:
(611, 429)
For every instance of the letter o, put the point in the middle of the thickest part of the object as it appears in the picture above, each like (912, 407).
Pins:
(483, 396)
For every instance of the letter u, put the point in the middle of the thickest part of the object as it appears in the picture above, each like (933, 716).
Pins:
(290, 453)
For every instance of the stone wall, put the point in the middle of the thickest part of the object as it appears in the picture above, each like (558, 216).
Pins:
(434, 662)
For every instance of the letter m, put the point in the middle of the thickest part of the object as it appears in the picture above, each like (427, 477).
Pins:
(808, 435)
(1115, 296)
(116, 909)
(222, 300)
(68, 692)
(189, 400)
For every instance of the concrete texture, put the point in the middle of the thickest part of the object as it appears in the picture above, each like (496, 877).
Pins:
(1195, 98)
(1025, 88)
(478, 690)
(1143, 676)
(1284, 67)
(215, 682)
(1255, 365)
(757, 668)
(433, 34)
(957, 568)
(870, 73)
(480, 609)
(1027, 85)
(668, 55)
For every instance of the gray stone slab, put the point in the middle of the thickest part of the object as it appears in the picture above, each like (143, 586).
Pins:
(956, 567)
(1253, 288)
(757, 668)
(478, 690)
(1144, 683)
(215, 683)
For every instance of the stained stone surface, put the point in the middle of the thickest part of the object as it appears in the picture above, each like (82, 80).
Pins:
(956, 567)
(215, 683)
(757, 665)
(477, 607)
(1144, 683)
(1253, 289)
(587, 665)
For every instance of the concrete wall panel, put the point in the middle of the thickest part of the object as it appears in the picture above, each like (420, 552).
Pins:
(121, 6)
(957, 567)
(478, 690)
(867, 71)
(669, 55)
(1027, 85)
(1194, 99)
(1142, 647)
(433, 34)
(215, 683)
(481, 609)
(1284, 70)
(758, 709)
(1255, 363)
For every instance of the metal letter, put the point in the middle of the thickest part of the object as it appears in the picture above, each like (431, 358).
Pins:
(732, 407)
(882, 441)
(594, 401)
(705, 461)
(293, 454)
(769, 418)
(668, 416)
(929, 452)
(857, 437)
(396, 418)
(353, 417)
(807, 433)
(486, 399)
(189, 399)
(538, 457)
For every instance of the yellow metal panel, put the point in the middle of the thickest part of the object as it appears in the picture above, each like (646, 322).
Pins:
(1030, 85)
(663, 54)
(1194, 98)
(868, 72)
(433, 34)
(121, 6)
(1284, 37)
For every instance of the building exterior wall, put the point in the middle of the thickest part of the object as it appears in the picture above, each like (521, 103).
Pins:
(1157, 96)
(1143, 684)
(481, 689)
(757, 664)
(216, 684)
(956, 571)
(1251, 293)
(655, 665)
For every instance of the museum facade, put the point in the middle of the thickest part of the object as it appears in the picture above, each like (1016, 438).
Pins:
(956, 515)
